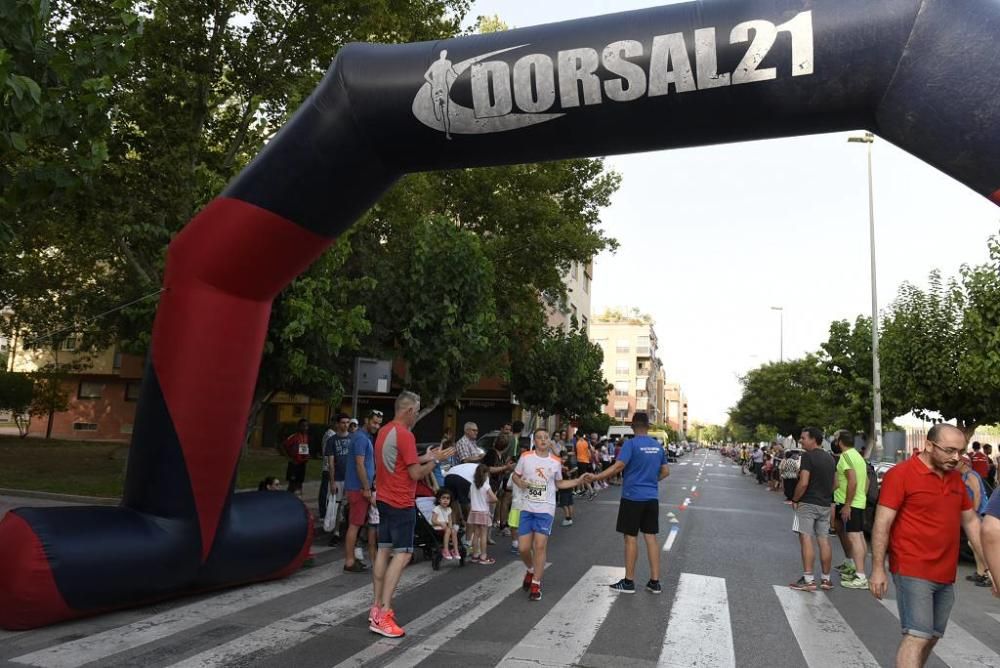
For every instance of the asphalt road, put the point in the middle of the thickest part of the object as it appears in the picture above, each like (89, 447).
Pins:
(725, 603)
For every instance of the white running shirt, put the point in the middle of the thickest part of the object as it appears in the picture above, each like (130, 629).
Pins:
(540, 474)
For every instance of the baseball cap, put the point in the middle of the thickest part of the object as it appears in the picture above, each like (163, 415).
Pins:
(354, 420)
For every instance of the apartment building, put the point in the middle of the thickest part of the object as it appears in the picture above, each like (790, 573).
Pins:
(677, 407)
(631, 364)
(578, 283)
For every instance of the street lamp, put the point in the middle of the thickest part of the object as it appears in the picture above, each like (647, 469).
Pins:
(868, 138)
(781, 335)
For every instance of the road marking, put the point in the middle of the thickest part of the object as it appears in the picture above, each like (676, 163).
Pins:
(300, 627)
(694, 488)
(562, 636)
(684, 505)
(958, 648)
(699, 632)
(671, 538)
(821, 631)
(489, 593)
(708, 465)
(102, 645)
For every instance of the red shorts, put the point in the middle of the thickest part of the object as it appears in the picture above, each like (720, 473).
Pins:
(358, 508)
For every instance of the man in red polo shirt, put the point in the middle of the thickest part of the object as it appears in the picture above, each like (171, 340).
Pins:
(920, 507)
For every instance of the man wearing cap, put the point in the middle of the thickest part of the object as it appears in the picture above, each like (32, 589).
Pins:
(359, 479)
(643, 463)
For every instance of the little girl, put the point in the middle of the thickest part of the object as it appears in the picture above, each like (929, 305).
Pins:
(443, 520)
(480, 498)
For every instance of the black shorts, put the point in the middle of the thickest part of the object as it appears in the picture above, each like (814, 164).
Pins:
(295, 472)
(857, 521)
(636, 516)
(459, 488)
(564, 498)
(584, 467)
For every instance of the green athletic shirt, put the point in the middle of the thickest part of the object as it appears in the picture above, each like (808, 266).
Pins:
(851, 459)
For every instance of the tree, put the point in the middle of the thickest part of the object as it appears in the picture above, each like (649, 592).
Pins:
(49, 397)
(435, 308)
(561, 373)
(923, 344)
(16, 393)
(847, 358)
(764, 433)
(788, 395)
(596, 423)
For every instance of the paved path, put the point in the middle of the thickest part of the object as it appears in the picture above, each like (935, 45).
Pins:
(728, 556)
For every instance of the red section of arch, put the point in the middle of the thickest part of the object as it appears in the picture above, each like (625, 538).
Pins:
(223, 271)
(29, 596)
(995, 197)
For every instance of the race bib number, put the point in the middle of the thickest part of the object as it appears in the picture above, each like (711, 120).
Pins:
(535, 492)
(303, 448)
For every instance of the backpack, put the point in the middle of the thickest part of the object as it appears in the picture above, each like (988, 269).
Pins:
(871, 495)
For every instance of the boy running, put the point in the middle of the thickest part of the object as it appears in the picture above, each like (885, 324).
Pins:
(538, 475)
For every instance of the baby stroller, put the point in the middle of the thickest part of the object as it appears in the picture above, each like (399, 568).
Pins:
(427, 540)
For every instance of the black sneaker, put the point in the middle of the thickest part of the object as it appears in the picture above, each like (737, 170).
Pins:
(654, 587)
(623, 586)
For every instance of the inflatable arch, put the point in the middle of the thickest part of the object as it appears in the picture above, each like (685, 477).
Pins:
(924, 74)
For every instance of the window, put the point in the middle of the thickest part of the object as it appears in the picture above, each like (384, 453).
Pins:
(622, 388)
(642, 345)
(585, 323)
(68, 344)
(586, 283)
(576, 271)
(89, 390)
(623, 346)
(641, 394)
(622, 368)
(132, 390)
(116, 363)
(573, 306)
(84, 426)
(621, 413)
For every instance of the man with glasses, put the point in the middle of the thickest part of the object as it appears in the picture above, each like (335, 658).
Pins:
(921, 505)
(466, 449)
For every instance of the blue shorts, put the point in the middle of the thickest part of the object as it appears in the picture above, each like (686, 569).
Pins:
(395, 527)
(535, 523)
(924, 606)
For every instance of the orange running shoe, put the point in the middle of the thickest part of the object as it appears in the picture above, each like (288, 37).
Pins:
(386, 625)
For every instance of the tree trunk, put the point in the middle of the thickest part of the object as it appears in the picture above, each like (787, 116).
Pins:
(48, 426)
(260, 399)
(968, 428)
(427, 410)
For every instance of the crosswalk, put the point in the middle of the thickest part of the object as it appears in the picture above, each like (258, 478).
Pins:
(700, 628)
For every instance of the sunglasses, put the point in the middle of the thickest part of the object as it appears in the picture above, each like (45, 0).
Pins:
(377, 414)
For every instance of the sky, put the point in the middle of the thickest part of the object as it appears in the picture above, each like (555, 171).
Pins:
(711, 238)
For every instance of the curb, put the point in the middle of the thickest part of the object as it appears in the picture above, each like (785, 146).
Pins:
(52, 496)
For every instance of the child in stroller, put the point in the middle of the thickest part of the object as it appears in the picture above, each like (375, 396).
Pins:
(427, 538)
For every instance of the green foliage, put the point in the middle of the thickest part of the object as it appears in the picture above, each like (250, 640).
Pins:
(49, 397)
(435, 307)
(785, 396)
(595, 423)
(16, 394)
(561, 373)
(765, 433)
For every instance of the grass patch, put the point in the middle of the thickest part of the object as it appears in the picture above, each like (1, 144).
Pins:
(89, 468)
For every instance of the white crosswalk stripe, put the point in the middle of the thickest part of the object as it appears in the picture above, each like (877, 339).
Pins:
(821, 631)
(563, 635)
(958, 648)
(157, 627)
(700, 632)
(302, 626)
(700, 612)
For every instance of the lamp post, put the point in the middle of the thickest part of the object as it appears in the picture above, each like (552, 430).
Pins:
(868, 138)
(781, 334)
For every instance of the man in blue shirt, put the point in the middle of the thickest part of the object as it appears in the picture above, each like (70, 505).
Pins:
(359, 478)
(643, 462)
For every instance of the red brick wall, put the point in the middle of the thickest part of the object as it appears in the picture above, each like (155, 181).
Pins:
(112, 413)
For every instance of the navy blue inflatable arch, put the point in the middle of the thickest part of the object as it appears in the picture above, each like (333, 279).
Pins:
(924, 74)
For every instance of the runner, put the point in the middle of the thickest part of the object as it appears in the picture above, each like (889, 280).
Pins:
(643, 463)
(920, 508)
(538, 474)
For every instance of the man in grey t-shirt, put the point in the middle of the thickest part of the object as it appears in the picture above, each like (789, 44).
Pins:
(812, 500)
